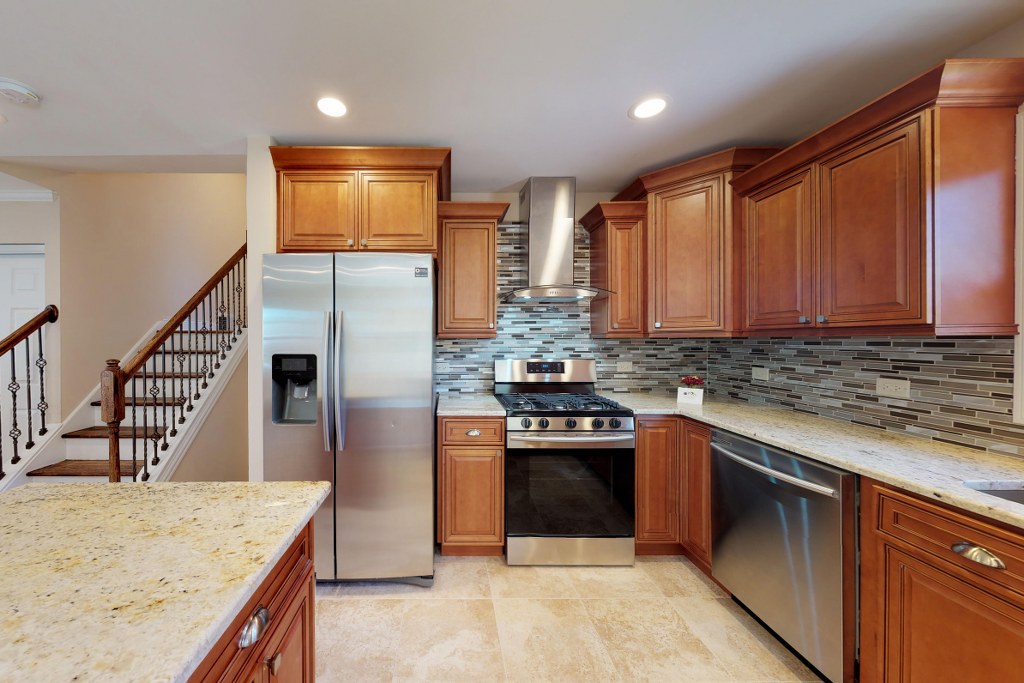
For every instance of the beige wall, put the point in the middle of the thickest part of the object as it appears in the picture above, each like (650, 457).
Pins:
(1008, 42)
(220, 451)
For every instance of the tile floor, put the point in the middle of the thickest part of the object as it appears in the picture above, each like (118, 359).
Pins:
(660, 620)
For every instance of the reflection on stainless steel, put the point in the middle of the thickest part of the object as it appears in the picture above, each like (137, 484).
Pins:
(378, 388)
(573, 370)
(779, 538)
(975, 553)
(569, 440)
(533, 550)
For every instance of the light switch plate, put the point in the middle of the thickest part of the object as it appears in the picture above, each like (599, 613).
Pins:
(624, 366)
(759, 373)
(894, 388)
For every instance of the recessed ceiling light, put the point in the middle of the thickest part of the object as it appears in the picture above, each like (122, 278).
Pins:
(331, 106)
(17, 92)
(652, 106)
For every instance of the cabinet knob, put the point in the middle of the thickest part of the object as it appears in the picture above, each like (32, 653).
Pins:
(975, 553)
(351, 242)
(657, 324)
(362, 243)
(274, 664)
(473, 432)
(490, 326)
(803, 320)
(822, 318)
(254, 628)
(615, 326)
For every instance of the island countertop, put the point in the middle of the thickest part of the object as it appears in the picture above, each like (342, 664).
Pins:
(135, 582)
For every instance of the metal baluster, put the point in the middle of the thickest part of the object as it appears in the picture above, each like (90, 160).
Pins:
(28, 391)
(2, 473)
(245, 304)
(225, 305)
(205, 369)
(193, 358)
(135, 444)
(15, 433)
(238, 308)
(145, 427)
(41, 364)
(154, 392)
(219, 339)
(173, 398)
(181, 373)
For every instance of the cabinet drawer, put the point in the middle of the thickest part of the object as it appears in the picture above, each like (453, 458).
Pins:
(937, 529)
(473, 430)
(227, 660)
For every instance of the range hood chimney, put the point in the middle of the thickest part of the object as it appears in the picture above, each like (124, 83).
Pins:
(548, 207)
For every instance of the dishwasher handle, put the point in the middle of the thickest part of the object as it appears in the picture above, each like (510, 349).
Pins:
(781, 476)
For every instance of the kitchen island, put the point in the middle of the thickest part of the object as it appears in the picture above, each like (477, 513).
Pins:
(136, 582)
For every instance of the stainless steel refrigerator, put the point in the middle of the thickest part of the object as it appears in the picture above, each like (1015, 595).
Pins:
(348, 397)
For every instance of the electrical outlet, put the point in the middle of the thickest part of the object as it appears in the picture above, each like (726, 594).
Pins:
(442, 367)
(759, 373)
(624, 366)
(896, 388)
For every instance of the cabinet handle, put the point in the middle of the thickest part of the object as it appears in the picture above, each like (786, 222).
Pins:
(657, 324)
(803, 319)
(822, 318)
(254, 628)
(362, 243)
(351, 242)
(975, 553)
(473, 432)
(274, 664)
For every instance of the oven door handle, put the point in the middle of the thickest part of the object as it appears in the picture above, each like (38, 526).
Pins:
(617, 439)
(775, 474)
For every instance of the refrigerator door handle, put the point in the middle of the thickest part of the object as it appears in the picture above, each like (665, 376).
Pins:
(325, 401)
(339, 396)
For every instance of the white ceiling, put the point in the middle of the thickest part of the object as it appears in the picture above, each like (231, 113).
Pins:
(531, 87)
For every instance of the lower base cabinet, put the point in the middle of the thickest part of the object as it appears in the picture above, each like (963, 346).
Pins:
(928, 612)
(696, 487)
(471, 486)
(281, 617)
(657, 486)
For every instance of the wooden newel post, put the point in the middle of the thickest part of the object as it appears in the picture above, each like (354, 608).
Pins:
(112, 411)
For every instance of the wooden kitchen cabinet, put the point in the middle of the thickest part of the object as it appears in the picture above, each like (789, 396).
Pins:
(471, 486)
(468, 281)
(693, 244)
(657, 486)
(928, 613)
(695, 505)
(617, 265)
(285, 653)
(360, 198)
(897, 218)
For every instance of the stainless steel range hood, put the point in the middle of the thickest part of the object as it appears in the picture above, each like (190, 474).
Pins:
(548, 207)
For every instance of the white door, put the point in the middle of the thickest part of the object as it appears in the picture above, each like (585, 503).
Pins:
(22, 293)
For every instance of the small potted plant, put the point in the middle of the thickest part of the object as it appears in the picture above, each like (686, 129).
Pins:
(691, 391)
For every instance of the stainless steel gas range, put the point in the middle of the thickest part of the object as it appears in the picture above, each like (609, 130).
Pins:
(569, 466)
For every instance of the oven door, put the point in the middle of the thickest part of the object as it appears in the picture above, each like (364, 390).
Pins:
(569, 499)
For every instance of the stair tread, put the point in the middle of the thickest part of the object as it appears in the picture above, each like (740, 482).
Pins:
(146, 400)
(101, 432)
(168, 375)
(81, 468)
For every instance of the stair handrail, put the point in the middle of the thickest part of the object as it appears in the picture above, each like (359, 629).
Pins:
(229, 281)
(9, 345)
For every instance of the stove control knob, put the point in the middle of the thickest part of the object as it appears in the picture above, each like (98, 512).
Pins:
(598, 423)
(615, 423)
(543, 422)
(526, 422)
(570, 423)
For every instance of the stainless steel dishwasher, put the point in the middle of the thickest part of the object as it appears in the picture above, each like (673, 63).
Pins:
(784, 544)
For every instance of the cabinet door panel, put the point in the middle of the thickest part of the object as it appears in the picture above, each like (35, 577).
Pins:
(697, 491)
(624, 258)
(295, 647)
(780, 254)
(686, 255)
(473, 495)
(468, 280)
(657, 481)
(317, 211)
(398, 210)
(872, 231)
(941, 628)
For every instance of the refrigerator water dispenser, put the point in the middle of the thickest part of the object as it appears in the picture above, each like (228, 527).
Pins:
(293, 378)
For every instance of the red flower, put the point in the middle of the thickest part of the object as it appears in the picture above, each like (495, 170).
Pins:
(692, 381)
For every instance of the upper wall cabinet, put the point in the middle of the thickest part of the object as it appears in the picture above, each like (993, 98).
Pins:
(468, 283)
(900, 215)
(360, 198)
(617, 265)
(692, 244)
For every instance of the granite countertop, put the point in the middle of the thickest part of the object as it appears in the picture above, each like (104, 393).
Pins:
(135, 582)
(931, 468)
(481, 405)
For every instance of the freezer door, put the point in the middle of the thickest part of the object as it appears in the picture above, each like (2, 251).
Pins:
(385, 425)
(298, 318)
